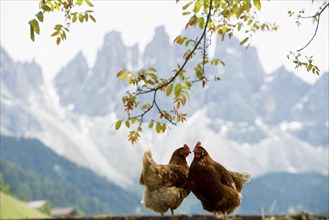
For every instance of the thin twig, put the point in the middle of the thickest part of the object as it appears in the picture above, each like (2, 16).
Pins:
(316, 28)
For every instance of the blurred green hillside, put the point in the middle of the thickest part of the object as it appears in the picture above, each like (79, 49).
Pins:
(12, 208)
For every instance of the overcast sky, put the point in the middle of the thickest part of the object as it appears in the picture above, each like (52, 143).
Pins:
(136, 20)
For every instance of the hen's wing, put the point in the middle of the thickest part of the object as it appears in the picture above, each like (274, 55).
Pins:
(225, 175)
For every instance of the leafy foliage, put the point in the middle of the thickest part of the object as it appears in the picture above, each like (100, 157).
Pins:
(297, 58)
(66, 7)
(214, 17)
(223, 18)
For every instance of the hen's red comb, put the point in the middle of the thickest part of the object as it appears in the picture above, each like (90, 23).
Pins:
(198, 144)
(186, 146)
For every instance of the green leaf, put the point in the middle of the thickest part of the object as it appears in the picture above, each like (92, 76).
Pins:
(247, 6)
(127, 124)
(74, 19)
(151, 124)
(199, 75)
(46, 7)
(169, 89)
(309, 67)
(118, 124)
(89, 3)
(201, 23)
(40, 16)
(81, 17)
(58, 27)
(35, 24)
(244, 41)
(186, 6)
(177, 90)
(158, 127)
(197, 6)
(257, 4)
(79, 2)
(31, 33)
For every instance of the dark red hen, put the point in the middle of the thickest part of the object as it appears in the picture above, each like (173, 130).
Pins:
(218, 189)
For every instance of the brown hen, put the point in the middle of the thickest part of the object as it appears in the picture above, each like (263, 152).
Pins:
(165, 185)
(218, 189)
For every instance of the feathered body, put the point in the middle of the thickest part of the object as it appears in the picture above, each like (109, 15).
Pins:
(218, 189)
(165, 185)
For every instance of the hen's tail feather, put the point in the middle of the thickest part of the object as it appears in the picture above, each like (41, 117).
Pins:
(148, 159)
(245, 177)
(149, 172)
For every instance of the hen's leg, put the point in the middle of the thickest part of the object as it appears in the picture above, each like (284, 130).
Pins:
(172, 211)
(162, 214)
(225, 216)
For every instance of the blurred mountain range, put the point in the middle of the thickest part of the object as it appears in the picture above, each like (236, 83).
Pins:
(249, 120)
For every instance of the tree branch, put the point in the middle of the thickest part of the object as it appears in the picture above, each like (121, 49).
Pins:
(186, 59)
(155, 89)
(318, 14)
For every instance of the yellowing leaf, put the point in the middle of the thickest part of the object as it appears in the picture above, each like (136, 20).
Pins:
(164, 127)
(151, 69)
(55, 33)
(119, 74)
(58, 41)
(92, 18)
(81, 17)
(257, 4)
(79, 2)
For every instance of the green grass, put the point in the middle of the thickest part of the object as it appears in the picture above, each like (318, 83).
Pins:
(12, 208)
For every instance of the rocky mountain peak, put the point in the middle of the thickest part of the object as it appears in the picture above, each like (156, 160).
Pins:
(159, 53)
